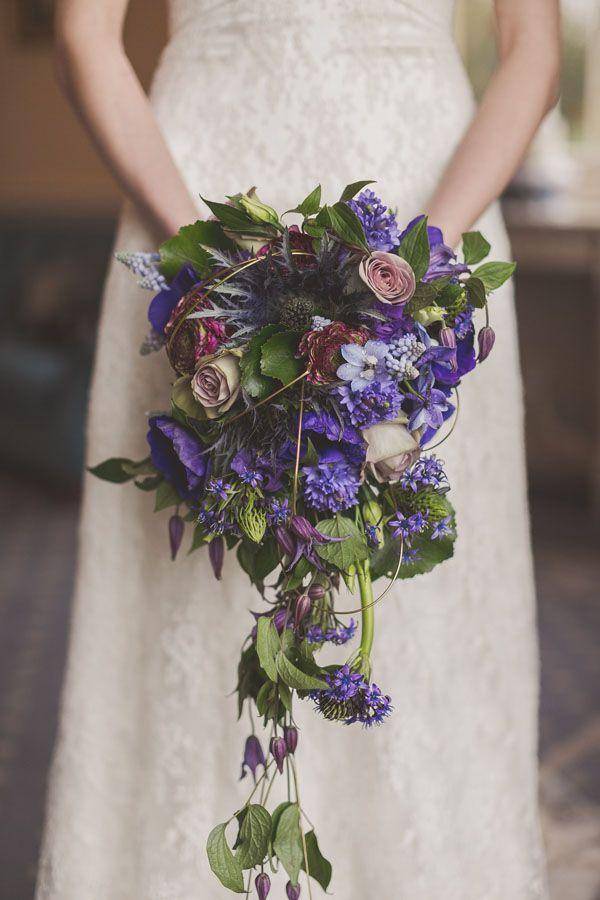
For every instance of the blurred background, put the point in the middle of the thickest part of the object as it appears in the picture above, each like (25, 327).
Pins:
(57, 214)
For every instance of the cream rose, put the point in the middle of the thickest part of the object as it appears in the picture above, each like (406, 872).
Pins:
(391, 448)
(390, 277)
(216, 383)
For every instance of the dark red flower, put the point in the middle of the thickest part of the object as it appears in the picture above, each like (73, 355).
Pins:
(323, 350)
(188, 340)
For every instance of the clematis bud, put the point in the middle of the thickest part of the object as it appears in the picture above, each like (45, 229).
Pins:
(316, 592)
(303, 529)
(262, 883)
(293, 893)
(176, 529)
(485, 339)
(448, 339)
(253, 757)
(216, 553)
(285, 540)
(281, 619)
(278, 751)
(303, 605)
(290, 734)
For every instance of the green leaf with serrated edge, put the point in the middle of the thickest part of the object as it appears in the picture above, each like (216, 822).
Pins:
(278, 357)
(347, 552)
(310, 205)
(475, 292)
(351, 190)
(347, 225)
(267, 646)
(319, 867)
(188, 247)
(253, 839)
(288, 842)
(494, 274)
(474, 247)
(415, 248)
(295, 678)
(166, 496)
(222, 861)
(254, 382)
(113, 470)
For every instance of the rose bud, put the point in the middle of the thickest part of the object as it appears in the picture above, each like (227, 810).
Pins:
(316, 592)
(176, 529)
(448, 339)
(303, 605)
(216, 553)
(290, 734)
(285, 540)
(278, 751)
(485, 339)
(262, 883)
(253, 757)
(216, 383)
(293, 893)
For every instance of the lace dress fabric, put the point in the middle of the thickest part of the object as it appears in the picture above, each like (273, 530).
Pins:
(441, 801)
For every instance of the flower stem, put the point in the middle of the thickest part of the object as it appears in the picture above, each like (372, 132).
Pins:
(368, 616)
(304, 847)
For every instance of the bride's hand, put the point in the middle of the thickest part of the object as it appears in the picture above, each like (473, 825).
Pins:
(103, 87)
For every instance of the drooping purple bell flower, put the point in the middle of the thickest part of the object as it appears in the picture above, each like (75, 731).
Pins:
(262, 883)
(303, 529)
(285, 540)
(303, 605)
(253, 757)
(486, 339)
(178, 455)
(290, 734)
(278, 751)
(176, 530)
(293, 892)
(216, 554)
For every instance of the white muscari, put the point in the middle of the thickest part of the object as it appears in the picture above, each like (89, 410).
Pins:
(401, 356)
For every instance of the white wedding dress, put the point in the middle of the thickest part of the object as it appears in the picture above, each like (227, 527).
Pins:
(440, 802)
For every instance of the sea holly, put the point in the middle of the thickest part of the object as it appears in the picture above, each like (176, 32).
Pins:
(295, 440)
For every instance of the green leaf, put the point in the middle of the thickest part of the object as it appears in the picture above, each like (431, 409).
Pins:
(166, 496)
(474, 247)
(415, 248)
(493, 274)
(267, 646)
(198, 539)
(351, 190)
(184, 401)
(254, 382)
(277, 813)
(188, 248)
(253, 839)
(295, 678)
(319, 867)
(149, 484)
(344, 553)
(266, 558)
(236, 219)
(114, 469)
(278, 357)
(222, 861)
(347, 225)
(475, 292)
(288, 842)
(423, 297)
(285, 696)
(384, 561)
(430, 554)
(298, 574)
(311, 204)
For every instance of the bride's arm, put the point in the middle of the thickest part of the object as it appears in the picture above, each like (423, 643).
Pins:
(521, 92)
(103, 87)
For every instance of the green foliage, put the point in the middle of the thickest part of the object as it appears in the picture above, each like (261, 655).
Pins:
(115, 469)
(475, 292)
(254, 382)
(184, 401)
(351, 190)
(415, 248)
(494, 274)
(267, 646)
(288, 841)
(258, 562)
(236, 219)
(166, 496)
(253, 837)
(475, 247)
(278, 358)
(431, 553)
(294, 677)
(345, 553)
(346, 224)
(311, 204)
(188, 248)
(319, 867)
(250, 676)
(222, 861)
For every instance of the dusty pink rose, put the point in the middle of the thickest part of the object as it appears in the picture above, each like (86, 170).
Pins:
(391, 448)
(216, 384)
(390, 277)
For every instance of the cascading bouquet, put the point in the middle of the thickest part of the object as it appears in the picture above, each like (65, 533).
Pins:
(313, 366)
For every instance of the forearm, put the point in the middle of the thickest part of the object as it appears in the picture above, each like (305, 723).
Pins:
(117, 114)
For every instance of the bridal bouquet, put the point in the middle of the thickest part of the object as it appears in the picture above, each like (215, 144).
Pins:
(313, 366)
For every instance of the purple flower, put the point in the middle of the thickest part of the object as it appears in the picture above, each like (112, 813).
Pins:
(374, 404)
(363, 364)
(290, 734)
(332, 484)
(219, 487)
(178, 455)
(253, 757)
(278, 752)
(161, 307)
(343, 684)
(278, 511)
(339, 635)
(373, 708)
(292, 891)
(486, 339)
(442, 528)
(429, 406)
(324, 423)
(428, 471)
(379, 223)
(256, 470)
(216, 555)
(262, 883)
(405, 526)
(442, 258)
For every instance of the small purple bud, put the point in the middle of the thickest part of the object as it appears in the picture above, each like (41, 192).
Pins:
(281, 619)
(303, 605)
(262, 884)
(485, 339)
(278, 751)
(176, 529)
(316, 592)
(293, 893)
(285, 540)
(216, 552)
(253, 757)
(290, 734)
(448, 339)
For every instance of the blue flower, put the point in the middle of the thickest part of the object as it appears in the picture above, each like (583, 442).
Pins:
(374, 706)
(375, 403)
(428, 471)
(338, 635)
(161, 307)
(379, 223)
(331, 485)
(343, 684)
(278, 511)
(219, 487)
(405, 526)
(178, 455)
(442, 528)
(442, 258)
(428, 405)
(363, 364)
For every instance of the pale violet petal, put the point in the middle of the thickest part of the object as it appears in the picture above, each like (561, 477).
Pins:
(353, 353)
(347, 371)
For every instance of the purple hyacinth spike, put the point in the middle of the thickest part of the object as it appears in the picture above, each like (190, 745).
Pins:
(285, 540)
(290, 734)
(216, 553)
(293, 893)
(262, 883)
(278, 751)
(303, 605)
(253, 757)
(176, 529)
(485, 339)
